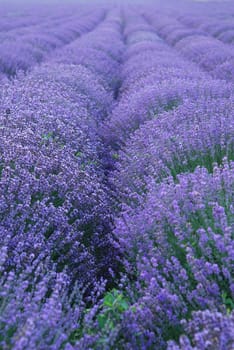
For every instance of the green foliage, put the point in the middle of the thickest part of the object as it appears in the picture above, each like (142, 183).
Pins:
(48, 137)
(1, 169)
(114, 304)
(228, 302)
(171, 105)
(107, 319)
(206, 159)
(56, 199)
(115, 156)
(51, 137)
(78, 154)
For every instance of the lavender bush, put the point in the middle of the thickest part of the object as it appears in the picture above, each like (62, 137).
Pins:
(196, 133)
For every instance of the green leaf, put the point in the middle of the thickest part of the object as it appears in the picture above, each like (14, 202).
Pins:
(108, 300)
(123, 305)
(102, 319)
(133, 309)
(115, 156)
(47, 136)
(78, 154)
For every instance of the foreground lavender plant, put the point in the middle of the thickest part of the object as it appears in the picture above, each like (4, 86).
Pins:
(179, 246)
(208, 330)
(54, 202)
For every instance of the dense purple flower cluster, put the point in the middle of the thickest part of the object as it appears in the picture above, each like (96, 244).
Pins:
(29, 318)
(155, 78)
(196, 133)
(55, 207)
(187, 226)
(96, 51)
(116, 177)
(177, 247)
(208, 330)
(50, 146)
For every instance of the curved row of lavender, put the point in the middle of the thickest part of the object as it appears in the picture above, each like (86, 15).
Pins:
(208, 17)
(116, 182)
(221, 28)
(215, 19)
(24, 47)
(56, 253)
(208, 52)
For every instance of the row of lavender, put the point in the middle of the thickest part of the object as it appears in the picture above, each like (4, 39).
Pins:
(15, 15)
(172, 136)
(210, 18)
(208, 52)
(220, 28)
(216, 19)
(23, 47)
(55, 207)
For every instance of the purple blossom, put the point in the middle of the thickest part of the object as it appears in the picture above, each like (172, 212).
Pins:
(207, 330)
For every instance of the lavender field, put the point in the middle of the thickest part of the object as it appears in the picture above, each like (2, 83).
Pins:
(116, 175)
